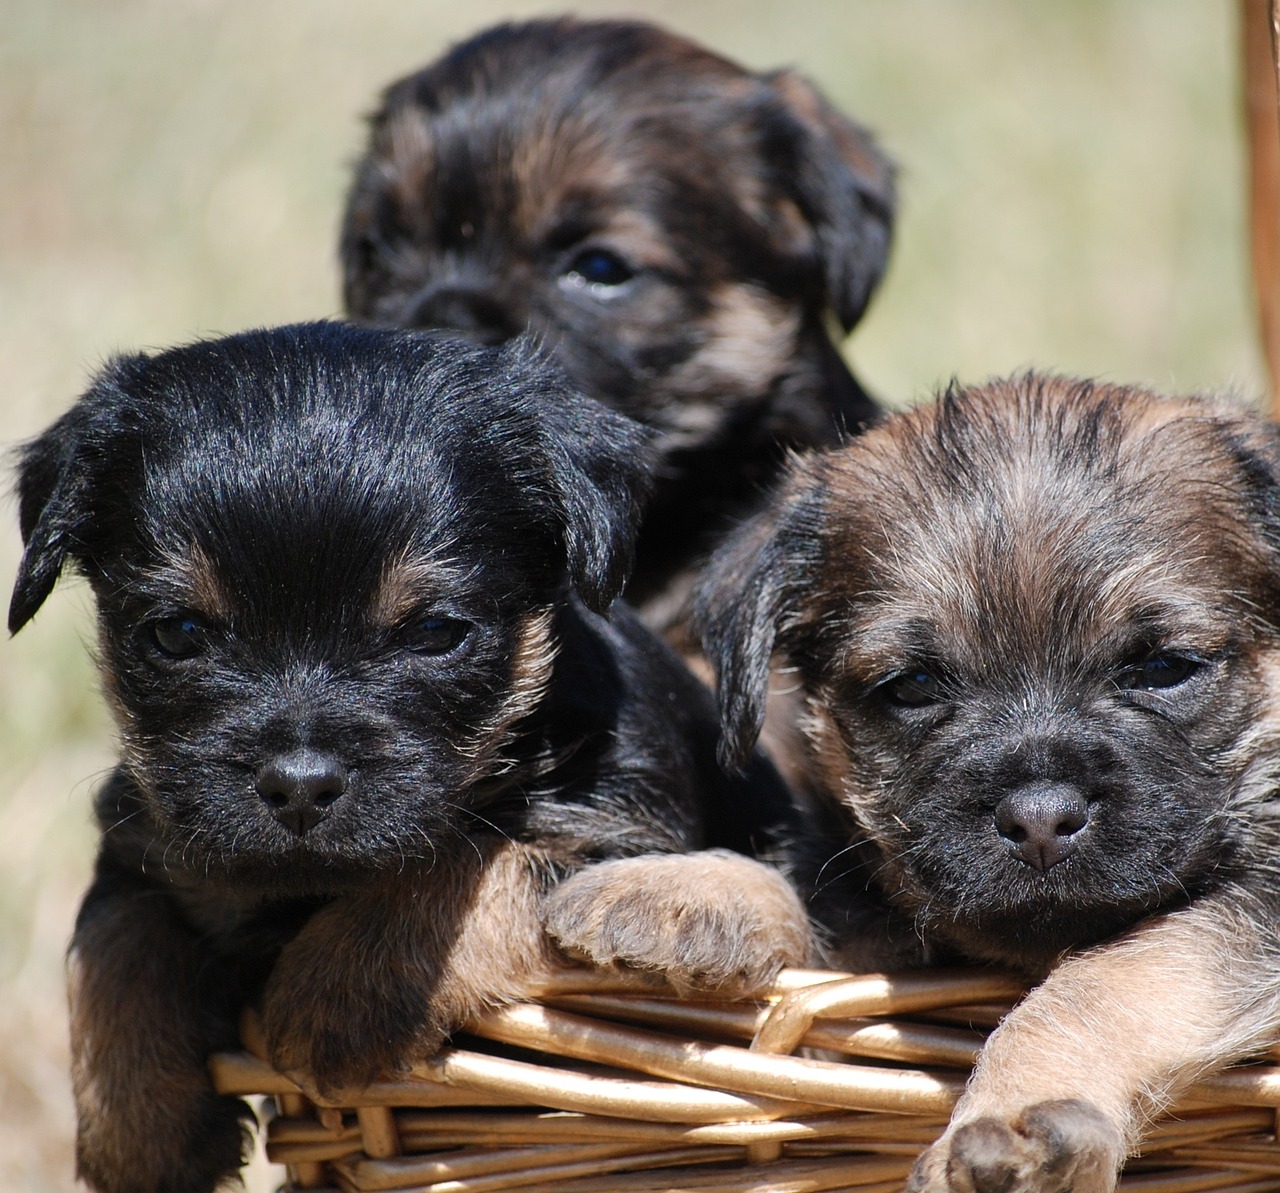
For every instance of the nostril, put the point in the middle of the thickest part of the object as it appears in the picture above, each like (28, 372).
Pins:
(301, 787)
(1073, 820)
(1042, 822)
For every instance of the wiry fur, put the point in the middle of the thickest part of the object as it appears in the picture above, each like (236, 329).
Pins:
(1038, 629)
(740, 212)
(354, 597)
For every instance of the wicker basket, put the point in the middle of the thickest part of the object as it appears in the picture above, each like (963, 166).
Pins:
(598, 1085)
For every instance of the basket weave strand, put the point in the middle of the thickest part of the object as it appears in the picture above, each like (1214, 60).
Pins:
(603, 1083)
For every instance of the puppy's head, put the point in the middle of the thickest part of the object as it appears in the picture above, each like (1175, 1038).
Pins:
(674, 228)
(1038, 624)
(327, 564)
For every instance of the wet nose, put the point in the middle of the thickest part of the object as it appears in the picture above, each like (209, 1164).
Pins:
(302, 787)
(1042, 822)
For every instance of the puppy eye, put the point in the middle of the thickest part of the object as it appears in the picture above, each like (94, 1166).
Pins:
(1159, 671)
(600, 267)
(175, 637)
(436, 635)
(913, 689)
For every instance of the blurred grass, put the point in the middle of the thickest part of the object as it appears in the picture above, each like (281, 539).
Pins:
(1072, 196)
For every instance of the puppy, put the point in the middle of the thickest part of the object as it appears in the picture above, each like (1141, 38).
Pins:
(375, 727)
(685, 237)
(1038, 629)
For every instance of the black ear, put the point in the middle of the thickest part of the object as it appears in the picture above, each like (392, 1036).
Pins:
(600, 472)
(54, 474)
(844, 185)
(49, 512)
(747, 600)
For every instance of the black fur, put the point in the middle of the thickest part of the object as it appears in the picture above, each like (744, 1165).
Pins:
(330, 548)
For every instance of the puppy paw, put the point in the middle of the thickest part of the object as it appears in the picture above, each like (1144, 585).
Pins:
(344, 1035)
(346, 1015)
(378, 981)
(703, 921)
(1051, 1147)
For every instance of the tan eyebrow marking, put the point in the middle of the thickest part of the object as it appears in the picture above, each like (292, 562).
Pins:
(193, 575)
(407, 582)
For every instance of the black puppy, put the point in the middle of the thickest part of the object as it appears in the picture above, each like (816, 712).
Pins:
(684, 235)
(350, 588)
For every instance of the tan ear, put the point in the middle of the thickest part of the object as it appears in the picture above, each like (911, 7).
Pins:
(844, 184)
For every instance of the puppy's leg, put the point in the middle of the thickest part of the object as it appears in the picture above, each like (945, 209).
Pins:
(704, 921)
(1067, 1083)
(380, 977)
(142, 1026)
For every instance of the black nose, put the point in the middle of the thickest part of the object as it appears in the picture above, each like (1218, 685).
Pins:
(1042, 822)
(301, 788)
(472, 312)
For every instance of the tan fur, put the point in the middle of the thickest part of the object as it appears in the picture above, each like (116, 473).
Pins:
(807, 104)
(1120, 1030)
(407, 583)
(530, 673)
(1030, 547)
(703, 921)
(408, 139)
(449, 941)
(571, 158)
(192, 573)
(749, 335)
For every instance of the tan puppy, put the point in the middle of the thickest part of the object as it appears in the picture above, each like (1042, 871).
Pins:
(1038, 627)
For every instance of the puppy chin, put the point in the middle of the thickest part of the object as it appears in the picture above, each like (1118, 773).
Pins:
(1008, 915)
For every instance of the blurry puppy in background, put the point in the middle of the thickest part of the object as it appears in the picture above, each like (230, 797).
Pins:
(1038, 628)
(375, 727)
(684, 236)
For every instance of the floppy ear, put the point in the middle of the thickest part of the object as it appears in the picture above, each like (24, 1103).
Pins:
(600, 472)
(844, 185)
(54, 473)
(745, 602)
(1255, 442)
(49, 512)
(600, 469)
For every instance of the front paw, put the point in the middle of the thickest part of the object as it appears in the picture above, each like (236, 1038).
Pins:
(1064, 1146)
(343, 1038)
(703, 921)
(346, 1020)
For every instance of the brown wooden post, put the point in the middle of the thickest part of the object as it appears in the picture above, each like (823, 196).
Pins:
(1262, 112)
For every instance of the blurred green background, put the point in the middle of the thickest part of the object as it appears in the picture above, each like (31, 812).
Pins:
(1072, 195)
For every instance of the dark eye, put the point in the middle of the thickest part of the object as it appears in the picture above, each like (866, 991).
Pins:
(436, 635)
(175, 637)
(600, 267)
(1159, 671)
(913, 689)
